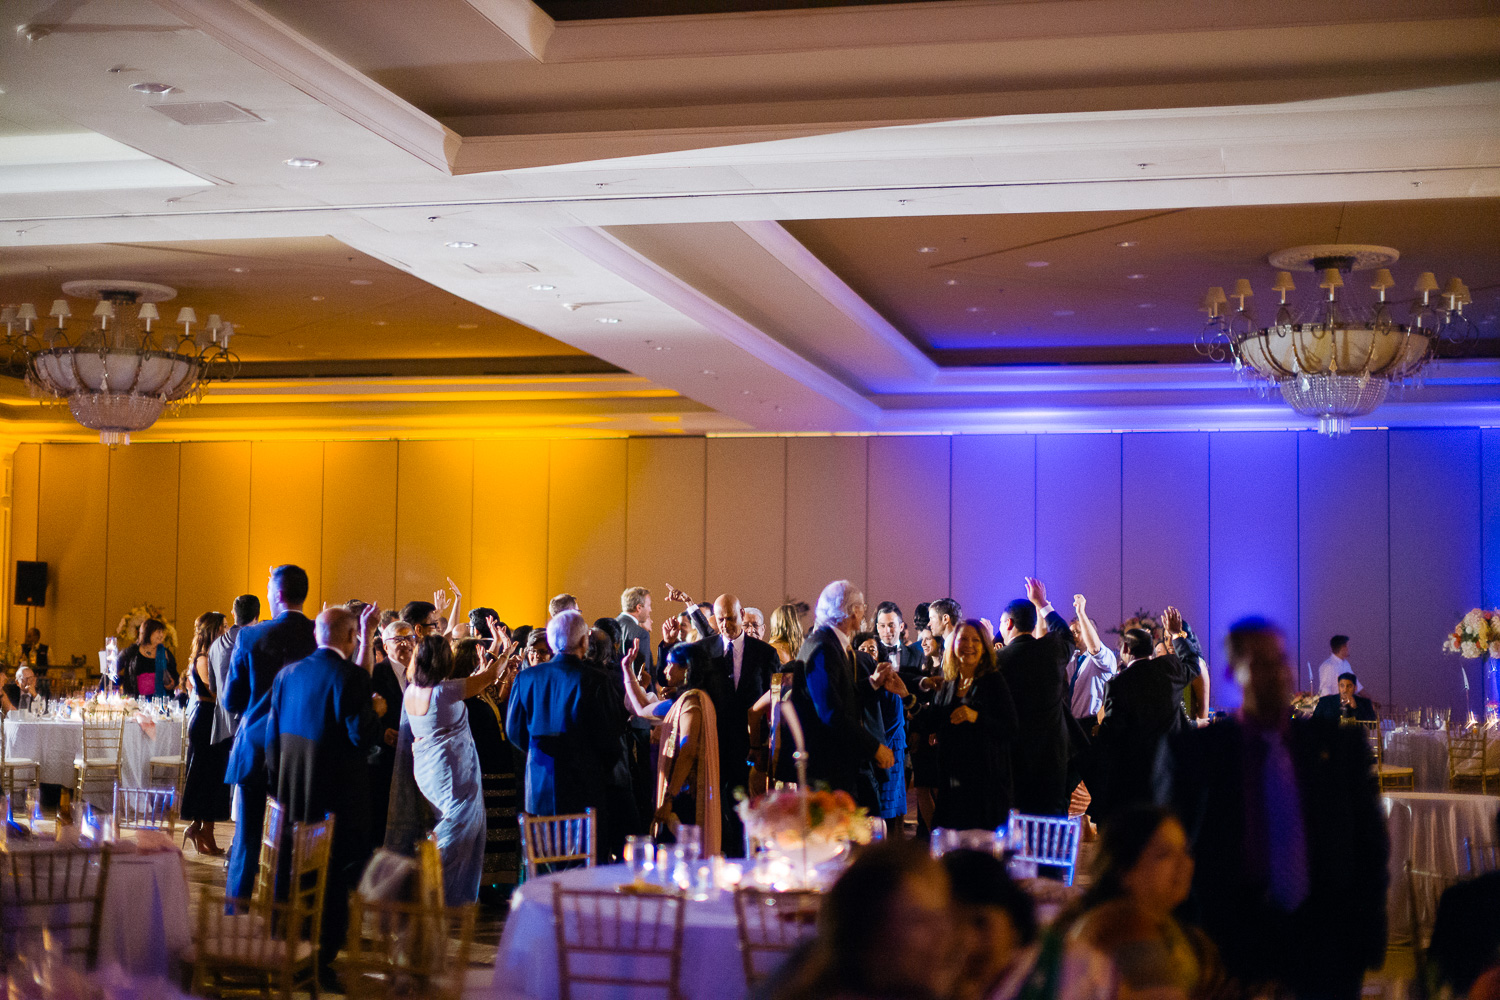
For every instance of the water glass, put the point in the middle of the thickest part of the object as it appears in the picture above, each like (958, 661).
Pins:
(690, 840)
(943, 841)
(640, 855)
(877, 829)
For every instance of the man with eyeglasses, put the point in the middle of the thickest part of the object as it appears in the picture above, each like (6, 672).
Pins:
(423, 617)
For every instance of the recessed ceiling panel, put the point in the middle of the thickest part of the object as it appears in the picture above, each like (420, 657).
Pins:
(1125, 286)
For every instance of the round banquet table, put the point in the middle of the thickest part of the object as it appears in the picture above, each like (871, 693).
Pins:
(56, 743)
(526, 964)
(1425, 751)
(1428, 829)
(145, 926)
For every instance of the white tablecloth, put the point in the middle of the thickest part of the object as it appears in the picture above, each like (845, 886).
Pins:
(1428, 828)
(526, 965)
(56, 744)
(1425, 751)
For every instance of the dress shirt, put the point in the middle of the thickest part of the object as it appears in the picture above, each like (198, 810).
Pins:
(735, 649)
(1088, 675)
(1328, 675)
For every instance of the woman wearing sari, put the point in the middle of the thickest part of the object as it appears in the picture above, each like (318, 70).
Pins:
(687, 770)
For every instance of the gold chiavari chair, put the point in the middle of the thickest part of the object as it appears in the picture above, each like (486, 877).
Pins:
(145, 809)
(1423, 890)
(1471, 760)
(1482, 857)
(172, 769)
(270, 850)
(273, 945)
(59, 893)
(641, 933)
(416, 949)
(771, 924)
(557, 840)
(1391, 777)
(17, 772)
(98, 769)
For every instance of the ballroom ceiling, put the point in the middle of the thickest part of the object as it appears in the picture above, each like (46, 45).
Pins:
(1105, 287)
(576, 10)
(730, 208)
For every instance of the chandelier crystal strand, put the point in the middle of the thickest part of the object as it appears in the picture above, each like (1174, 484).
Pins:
(1336, 362)
(118, 376)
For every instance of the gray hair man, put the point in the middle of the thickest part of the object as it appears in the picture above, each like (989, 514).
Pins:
(840, 748)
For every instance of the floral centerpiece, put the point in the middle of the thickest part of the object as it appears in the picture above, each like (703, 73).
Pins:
(793, 832)
(1477, 635)
(128, 631)
(1303, 703)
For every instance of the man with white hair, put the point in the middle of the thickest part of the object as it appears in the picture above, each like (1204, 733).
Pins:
(560, 718)
(755, 623)
(828, 700)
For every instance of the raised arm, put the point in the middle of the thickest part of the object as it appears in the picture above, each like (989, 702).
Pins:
(369, 618)
(488, 674)
(1091, 643)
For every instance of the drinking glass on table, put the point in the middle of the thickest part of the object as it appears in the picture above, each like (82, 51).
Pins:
(640, 855)
(943, 841)
(690, 840)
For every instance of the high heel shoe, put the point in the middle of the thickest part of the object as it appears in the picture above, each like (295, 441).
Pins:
(203, 840)
(190, 832)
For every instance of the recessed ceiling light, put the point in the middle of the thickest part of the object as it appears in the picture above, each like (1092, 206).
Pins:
(1062, 312)
(378, 322)
(460, 245)
(468, 326)
(1135, 277)
(607, 319)
(155, 89)
(1152, 329)
(238, 270)
(360, 281)
(926, 249)
(951, 281)
(1146, 305)
(708, 371)
(543, 288)
(1127, 243)
(973, 309)
(318, 298)
(303, 162)
(1038, 263)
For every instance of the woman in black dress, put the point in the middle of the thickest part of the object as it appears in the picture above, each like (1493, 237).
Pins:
(205, 797)
(147, 662)
(974, 719)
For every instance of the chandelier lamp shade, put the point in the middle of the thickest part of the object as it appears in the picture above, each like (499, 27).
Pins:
(1335, 358)
(118, 373)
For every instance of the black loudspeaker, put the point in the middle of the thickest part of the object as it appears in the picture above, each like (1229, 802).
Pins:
(31, 583)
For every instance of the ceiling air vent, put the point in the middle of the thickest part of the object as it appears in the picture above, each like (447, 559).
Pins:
(206, 113)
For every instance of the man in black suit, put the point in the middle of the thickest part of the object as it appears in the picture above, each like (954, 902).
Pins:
(323, 723)
(1142, 705)
(260, 651)
(745, 665)
(635, 624)
(1346, 704)
(1036, 672)
(827, 696)
(1287, 833)
(635, 627)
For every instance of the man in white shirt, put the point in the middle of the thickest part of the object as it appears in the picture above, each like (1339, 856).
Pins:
(1338, 663)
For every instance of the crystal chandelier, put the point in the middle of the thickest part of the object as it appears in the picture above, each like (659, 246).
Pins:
(1334, 360)
(117, 375)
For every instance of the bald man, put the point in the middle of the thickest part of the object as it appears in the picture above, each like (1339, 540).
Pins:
(744, 667)
(323, 725)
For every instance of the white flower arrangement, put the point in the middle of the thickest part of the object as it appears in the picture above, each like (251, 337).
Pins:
(1476, 635)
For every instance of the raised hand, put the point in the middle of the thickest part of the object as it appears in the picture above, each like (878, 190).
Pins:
(1036, 592)
(671, 630)
(369, 618)
(456, 592)
(1172, 619)
(440, 600)
(1079, 603)
(630, 654)
(673, 594)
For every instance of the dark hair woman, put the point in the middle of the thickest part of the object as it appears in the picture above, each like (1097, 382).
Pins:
(446, 764)
(974, 719)
(687, 770)
(205, 797)
(147, 667)
(497, 758)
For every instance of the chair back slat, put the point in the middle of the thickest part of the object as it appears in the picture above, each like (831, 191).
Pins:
(145, 808)
(53, 898)
(1473, 759)
(565, 841)
(270, 851)
(407, 949)
(771, 924)
(1047, 840)
(644, 932)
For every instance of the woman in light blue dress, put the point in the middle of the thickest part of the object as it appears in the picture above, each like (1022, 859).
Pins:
(447, 764)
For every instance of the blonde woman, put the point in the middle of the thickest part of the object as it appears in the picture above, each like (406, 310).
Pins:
(786, 632)
(974, 719)
(205, 797)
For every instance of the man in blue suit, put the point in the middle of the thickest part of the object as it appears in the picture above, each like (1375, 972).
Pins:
(560, 718)
(321, 727)
(260, 651)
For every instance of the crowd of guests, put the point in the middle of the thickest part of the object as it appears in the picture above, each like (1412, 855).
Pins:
(1224, 848)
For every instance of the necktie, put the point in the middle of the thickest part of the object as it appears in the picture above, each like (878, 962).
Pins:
(1286, 839)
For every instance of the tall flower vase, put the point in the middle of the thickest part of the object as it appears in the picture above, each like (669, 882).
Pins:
(1490, 672)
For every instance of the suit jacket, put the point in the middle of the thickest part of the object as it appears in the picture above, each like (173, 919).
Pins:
(1202, 775)
(558, 718)
(320, 728)
(632, 629)
(829, 708)
(225, 721)
(1328, 708)
(732, 702)
(1035, 670)
(260, 651)
(1141, 706)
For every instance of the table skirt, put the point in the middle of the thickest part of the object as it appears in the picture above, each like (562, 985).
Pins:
(1428, 829)
(56, 744)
